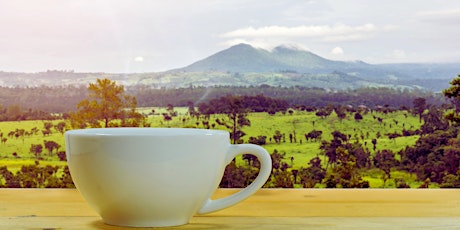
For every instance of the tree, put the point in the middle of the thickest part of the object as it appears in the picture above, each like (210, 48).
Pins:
(191, 109)
(60, 127)
(14, 112)
(341, 112)
(170, 109)
(419, 106)
(329, 148)
(50, 146)
(36, 176)
(358, 116)
(36, 149)
(324, 112)
(260, 140)
(282, 179)
(277, 159)
(238, 176)
(47, 125)
(277, 137)
(385, 160)
(346, 173)
(314, 135)
(374, 143)
(281, 176)
(434, 120)
(362, 156)
(434, 155)
(313, 174)
(453, 93)
(451, 181)
(106, 102)
(236, 112)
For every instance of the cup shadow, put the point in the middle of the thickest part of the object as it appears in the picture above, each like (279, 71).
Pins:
(99, 224)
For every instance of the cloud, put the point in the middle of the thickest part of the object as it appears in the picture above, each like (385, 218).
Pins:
(264, 43)
(139, 59)
(258, 43)
(325, 33)
(337, 51)
(398, 54)
(451, 16)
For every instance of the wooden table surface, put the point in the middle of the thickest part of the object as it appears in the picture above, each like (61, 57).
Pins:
(49, 209)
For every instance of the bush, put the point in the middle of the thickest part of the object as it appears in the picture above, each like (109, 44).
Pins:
(36, 176)
(260, 140)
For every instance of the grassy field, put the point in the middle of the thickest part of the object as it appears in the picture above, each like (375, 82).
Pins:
(303, 122)
(297, 154)
(21, 145)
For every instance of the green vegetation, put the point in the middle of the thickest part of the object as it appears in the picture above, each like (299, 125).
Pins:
(262, 124)
(62, 100)
(337, 145)
(106, 102)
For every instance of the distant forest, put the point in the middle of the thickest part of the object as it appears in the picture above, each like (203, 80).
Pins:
(64, 99)
(318, 97)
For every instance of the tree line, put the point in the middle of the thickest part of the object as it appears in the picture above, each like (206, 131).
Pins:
(36, 176)
(63, 99)
(17, 113)
(297, 95)
(53, 99)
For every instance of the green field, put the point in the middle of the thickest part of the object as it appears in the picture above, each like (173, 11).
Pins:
(301, 122)
(297, 154)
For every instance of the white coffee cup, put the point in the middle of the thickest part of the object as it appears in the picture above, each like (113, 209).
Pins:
(153, 177)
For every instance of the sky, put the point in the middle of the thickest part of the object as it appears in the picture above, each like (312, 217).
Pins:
(127, 36)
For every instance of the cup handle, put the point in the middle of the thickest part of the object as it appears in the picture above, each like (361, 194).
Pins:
(264, 172)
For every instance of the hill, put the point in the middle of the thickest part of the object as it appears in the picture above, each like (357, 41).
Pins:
(244, 65)
(312, 70)
(244, 58)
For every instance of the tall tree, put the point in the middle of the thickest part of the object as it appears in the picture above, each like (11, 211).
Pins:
(434, 120)
(36, 149)
(419, 106)
(236, 112)
(385, 160)
(453, 93)
(50, 146)
(329, 149)
(313, 174)
(106, 102)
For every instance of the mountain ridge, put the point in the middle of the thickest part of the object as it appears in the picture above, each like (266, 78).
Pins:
(244, 65)
(245, 58)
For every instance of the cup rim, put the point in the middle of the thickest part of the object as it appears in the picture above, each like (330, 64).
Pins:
(136, 131)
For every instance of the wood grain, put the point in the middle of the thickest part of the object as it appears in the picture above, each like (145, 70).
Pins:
(267, 209)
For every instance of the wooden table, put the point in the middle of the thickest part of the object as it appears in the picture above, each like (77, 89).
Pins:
(49, 209)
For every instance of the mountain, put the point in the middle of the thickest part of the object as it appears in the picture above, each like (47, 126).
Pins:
(244, 65)
(244, 58)
(239, 58)
(245, 61)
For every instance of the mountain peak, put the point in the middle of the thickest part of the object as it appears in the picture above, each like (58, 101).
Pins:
(244, 58)
(241, 45)
(238, 58)
(291, 47)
